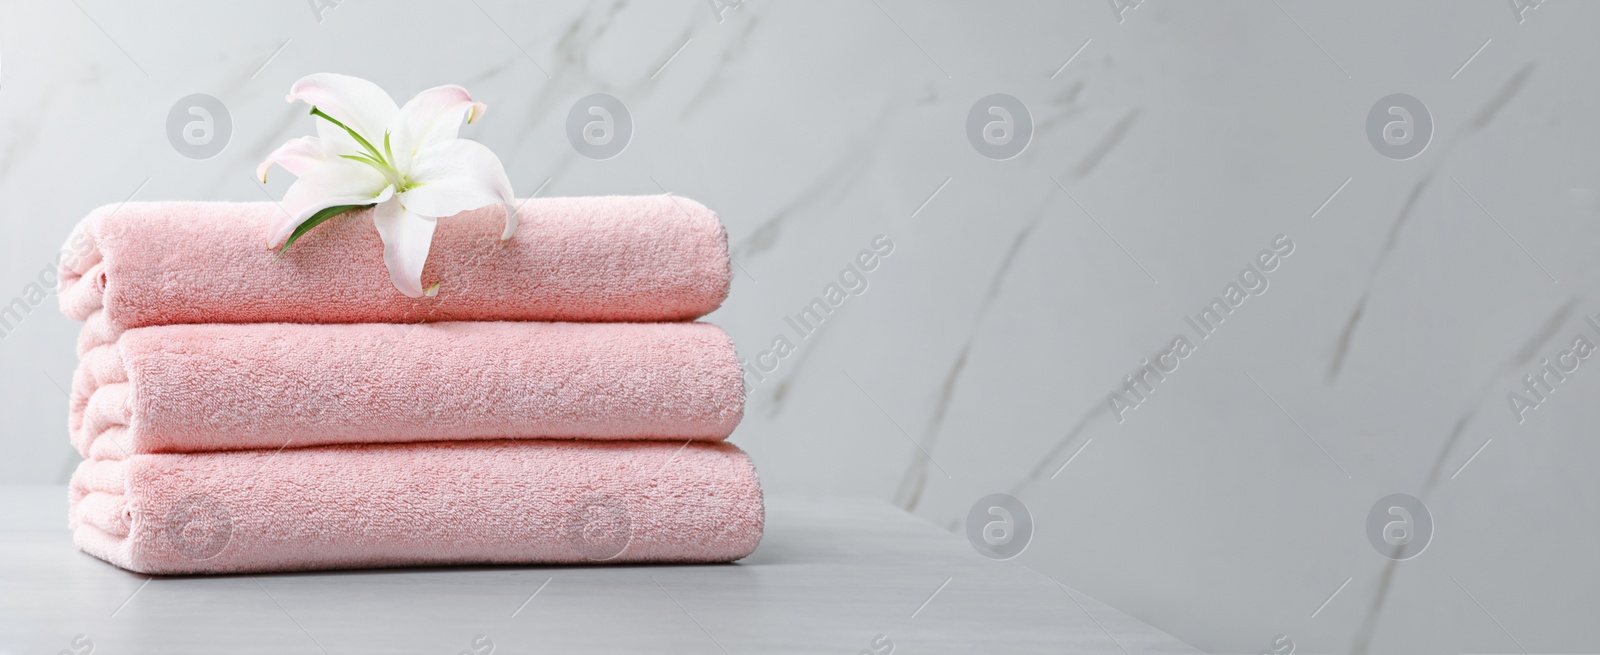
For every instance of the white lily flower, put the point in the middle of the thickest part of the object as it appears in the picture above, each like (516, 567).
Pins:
(405, 161)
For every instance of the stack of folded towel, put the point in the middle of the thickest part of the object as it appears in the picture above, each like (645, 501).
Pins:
(554, 402)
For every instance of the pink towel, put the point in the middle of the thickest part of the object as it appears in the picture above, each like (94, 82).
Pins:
(617, 258)
(195, 388)
(487, 502)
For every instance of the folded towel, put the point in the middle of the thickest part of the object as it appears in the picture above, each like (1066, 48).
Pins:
(618, 258)
(193, 388)
(497, 502)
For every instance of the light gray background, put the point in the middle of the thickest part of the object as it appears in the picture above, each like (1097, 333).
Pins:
(1227, 509)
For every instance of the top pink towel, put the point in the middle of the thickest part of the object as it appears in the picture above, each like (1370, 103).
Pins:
(615, 258)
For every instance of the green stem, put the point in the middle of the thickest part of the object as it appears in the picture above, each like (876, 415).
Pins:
(382, 168)
(359, 139)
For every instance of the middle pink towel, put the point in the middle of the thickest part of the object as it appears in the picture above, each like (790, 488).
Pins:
(196, 388)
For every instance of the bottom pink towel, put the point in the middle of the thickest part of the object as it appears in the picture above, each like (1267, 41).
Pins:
(488, 502)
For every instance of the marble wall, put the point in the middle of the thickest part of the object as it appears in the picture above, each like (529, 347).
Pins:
(1167, 144)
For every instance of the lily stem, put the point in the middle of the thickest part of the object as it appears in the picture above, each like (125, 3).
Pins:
(359, 139)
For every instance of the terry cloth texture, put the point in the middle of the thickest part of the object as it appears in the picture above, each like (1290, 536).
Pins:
(495, 502)
(195, 388)
(614, 258)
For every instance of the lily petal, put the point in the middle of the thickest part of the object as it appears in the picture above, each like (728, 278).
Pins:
(358, 103)
(435, 115)
(328, 184)
(457, 176)
(406, 239)
(296, 156)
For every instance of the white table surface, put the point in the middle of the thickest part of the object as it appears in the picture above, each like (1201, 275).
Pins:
(838, 576)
